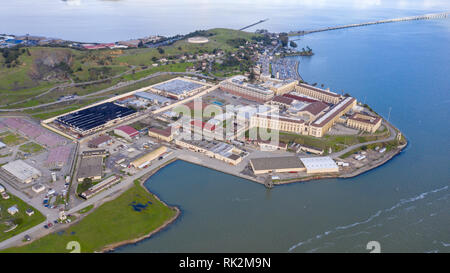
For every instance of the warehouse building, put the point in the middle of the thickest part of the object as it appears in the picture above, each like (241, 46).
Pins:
(282, 164)
(95, 118)
(162, 134)
(21, 171)
(100, 141)
(178, 88)
(214, 149)
(145, 160)
(152, 98)
(323, 164)
(90, 167)
(126, 132)
(364, 122)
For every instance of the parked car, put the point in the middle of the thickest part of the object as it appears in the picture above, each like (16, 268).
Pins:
(45, 226)
(27, 238)
(50, 225)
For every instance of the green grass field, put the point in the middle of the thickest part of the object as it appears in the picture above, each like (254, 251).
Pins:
(112, 222)
(12, 139)
(21, 218)
(31, 148)
(31, 76)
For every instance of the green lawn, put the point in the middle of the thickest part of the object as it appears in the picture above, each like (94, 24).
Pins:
(31, 148)
(21, 218)
(112, 222)
(12, 139)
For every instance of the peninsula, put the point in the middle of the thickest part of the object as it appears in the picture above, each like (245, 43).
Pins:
(83, 126)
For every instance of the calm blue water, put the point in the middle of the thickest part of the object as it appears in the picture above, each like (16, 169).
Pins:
(404, 204)
(113, 20)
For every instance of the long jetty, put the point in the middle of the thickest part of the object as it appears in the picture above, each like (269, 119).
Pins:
(254, 24)
(410, 18)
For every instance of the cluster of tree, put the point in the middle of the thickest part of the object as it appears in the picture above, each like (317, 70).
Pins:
(307, 51)
(11, 55)
(265, 39)
(236, 42)
(96, 73)
(199, 33)
(284, 38)
(85, 185)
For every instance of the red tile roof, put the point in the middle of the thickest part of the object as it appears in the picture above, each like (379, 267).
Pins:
(128, 130)
(298, 98)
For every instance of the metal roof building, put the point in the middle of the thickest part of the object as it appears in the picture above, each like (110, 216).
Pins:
(323, 164)
(21, 171)
(276, 164)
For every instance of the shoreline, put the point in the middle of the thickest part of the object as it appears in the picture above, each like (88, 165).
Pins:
(143, 179)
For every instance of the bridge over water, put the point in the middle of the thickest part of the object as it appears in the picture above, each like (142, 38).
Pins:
(410, 18)
(254, 24)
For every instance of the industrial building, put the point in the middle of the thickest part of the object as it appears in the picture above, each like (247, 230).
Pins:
(178, 88)
(282, 164)
(99, 141)
(90, 167)
(95, 118)
(126, 132)
(213, 149)
(162, 134)
(108, 182)
(21, 171)
(317, 93)
(253, 92)
(153, 98)
(364, 122)
(145, 160)
(323, 164)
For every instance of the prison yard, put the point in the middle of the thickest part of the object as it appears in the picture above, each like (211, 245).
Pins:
(74, 150)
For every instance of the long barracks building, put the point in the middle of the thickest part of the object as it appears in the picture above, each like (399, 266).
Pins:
(238, 87)
(317, 93)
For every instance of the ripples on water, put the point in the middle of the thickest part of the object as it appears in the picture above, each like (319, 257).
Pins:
(325, 239)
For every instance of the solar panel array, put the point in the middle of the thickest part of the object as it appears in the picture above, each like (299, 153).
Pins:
(177, 86)
(95, 116)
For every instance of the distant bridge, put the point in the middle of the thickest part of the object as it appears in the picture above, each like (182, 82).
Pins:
(410, 18)
(254, 24)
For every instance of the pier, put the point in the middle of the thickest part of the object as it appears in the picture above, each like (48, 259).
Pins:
(254, 24)
(410, 18)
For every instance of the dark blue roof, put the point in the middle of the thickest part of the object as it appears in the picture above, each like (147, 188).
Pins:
(92, 117)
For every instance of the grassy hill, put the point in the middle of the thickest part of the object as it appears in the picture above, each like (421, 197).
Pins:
(38, 69)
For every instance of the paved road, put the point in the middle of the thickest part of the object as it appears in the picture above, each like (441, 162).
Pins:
(348, 149)
(50, 214)
(119, 85)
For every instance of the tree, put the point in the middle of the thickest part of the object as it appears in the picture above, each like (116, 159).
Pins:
(160, 50)
(293, 44)
(154, 59)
